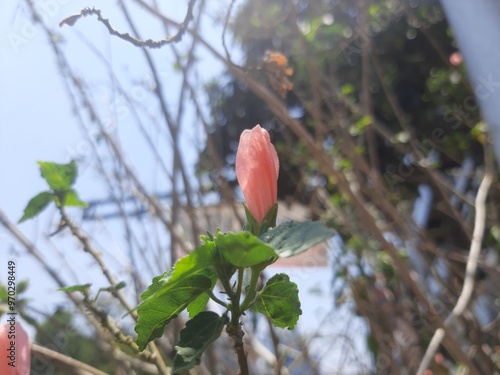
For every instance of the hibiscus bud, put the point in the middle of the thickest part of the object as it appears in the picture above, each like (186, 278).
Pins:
(15, 349)
(257, 167)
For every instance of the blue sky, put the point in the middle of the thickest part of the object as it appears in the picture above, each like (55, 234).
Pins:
(35, 126)
(39, 123)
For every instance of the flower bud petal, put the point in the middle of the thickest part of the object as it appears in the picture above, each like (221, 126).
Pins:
(257, 168)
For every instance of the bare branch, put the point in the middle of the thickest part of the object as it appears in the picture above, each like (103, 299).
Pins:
(226, 24)
(150, 43)
(64, 362)
(470, 271)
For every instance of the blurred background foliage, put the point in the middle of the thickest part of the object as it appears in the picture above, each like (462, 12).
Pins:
(381, 88)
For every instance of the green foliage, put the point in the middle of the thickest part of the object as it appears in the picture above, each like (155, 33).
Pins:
(199, 259)
(158, 283)
(198, 305)
(199, 332)
(243, 249)
(279, 301)
(292, 238)
(171, 292)
(36, 205)
(165, 304)
(188, 285)
(71, 199)
(60, 178)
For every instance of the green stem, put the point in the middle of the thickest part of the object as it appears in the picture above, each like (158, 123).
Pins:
(217, 300)
(227, 288)
(252, 287)
(240, 282)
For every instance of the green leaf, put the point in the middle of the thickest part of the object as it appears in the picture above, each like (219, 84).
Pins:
(36, 205)
(113, 288)
(75, 288)
(243, 249)
(60, 177)
(293, 238)
(165, 304)
(198, 305)
(199, 332)
(158, 283)
(208, 237)
(173, 291)
(198, 260)
(279, 301)
(120, 285)
(72, 199)
(22, 286)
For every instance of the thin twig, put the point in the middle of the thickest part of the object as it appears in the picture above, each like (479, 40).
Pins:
(63, 362)
(276, 343)
(88, 247)
(227, 193)
(173, 129)
(226, 24)
(470, 271)
(71, 20)
(111, 326)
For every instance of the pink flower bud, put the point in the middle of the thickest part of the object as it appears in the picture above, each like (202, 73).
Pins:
(15, 351)
(257, 167)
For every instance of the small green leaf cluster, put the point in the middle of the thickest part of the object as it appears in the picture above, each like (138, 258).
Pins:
(60, 178)
(224, 258)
